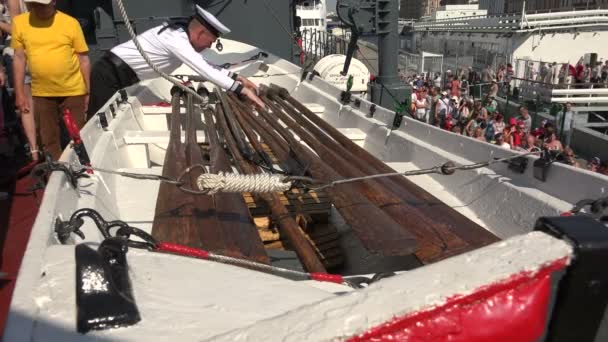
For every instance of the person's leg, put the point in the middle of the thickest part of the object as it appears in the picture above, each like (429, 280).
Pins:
(104, 84)
(47, 125)
(29, 124)
(75, 104)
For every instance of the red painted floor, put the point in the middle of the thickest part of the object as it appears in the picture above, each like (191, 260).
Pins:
(17, 214)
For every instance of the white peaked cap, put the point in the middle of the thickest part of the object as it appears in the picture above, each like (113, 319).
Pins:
(210, 21)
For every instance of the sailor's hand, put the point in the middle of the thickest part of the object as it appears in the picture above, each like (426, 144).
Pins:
(253, 97)
(248, 84)
(2, 78)
(22, 103)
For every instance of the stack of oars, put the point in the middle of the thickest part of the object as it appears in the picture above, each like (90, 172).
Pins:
(400, 212)
(390, 216)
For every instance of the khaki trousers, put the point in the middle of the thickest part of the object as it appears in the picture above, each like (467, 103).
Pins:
(48, 113)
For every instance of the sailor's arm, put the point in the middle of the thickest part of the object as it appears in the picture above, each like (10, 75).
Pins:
(186, 54)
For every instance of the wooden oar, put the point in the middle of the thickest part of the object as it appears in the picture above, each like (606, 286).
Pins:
(417, 197)
(233, 215)
(378, 233)
(287, 225)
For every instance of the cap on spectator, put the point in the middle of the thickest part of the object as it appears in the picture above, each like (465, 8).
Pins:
(455, 98)
(44, 2)
(493, 81)
(445, 93)
(596, 161)
(512, 122)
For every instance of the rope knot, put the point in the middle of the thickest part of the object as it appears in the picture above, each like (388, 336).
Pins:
(235, 182)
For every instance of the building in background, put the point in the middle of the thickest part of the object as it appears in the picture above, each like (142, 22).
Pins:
(494, 7)
(532, 6)
(457, 11)
(416, 9)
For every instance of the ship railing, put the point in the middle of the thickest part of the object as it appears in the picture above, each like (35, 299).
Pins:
(517, 22)
(309, 8)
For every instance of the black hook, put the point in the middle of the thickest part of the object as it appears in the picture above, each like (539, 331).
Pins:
(64, 229)
(219, 46)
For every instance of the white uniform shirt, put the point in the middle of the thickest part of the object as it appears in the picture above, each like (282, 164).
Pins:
(168, 51)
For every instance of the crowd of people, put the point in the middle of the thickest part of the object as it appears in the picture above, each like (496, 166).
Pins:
(446, 101)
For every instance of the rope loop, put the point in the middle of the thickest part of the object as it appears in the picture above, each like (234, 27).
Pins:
(235, 182)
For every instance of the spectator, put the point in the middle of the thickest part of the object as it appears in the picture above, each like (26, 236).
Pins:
(464, 110)
(471, 125)
(464, 87)
(551, 142)
(442, 109)
(603, 168)
(524, 116)
(569, 158)
(539, 132)
(478, 134)
(493, 89)
(594, 164)
(12, 9)
(420, 105)
(486, 75)
(430, 101)
(438, 80)
(555, 71)
(455, 87)
(457, 130)
(605, 72)
(57, 56)
(530, 144)
(491, 104)
(564, 122)
(500, 141)
(498, 123)
(482, 113)
(517, 137)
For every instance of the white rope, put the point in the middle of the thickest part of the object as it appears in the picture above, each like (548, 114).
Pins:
(175, 81)
(235, 182)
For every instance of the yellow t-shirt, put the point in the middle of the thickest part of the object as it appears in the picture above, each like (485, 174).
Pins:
(51, 47)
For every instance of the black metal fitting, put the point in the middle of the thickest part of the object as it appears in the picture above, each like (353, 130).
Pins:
(345, 97)
(357, 102)
(113, 110)
(103, 120)
(124, 97)
(518, 165)
(372, 110)
(397, 120)
(64, 229)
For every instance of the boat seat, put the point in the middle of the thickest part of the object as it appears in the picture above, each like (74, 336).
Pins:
(155, 137)
(159, 110)
(315, 108)
(356, 135)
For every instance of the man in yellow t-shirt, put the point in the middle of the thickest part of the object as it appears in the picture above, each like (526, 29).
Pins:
(57, 56)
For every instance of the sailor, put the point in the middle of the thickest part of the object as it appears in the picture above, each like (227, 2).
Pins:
(168, 46)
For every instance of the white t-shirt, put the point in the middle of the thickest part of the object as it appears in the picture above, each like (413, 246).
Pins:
(168, 50)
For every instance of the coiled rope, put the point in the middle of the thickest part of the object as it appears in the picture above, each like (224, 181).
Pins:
(234, 182)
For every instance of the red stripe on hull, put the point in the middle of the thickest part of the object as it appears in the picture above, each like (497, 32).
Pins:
(513, 310)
